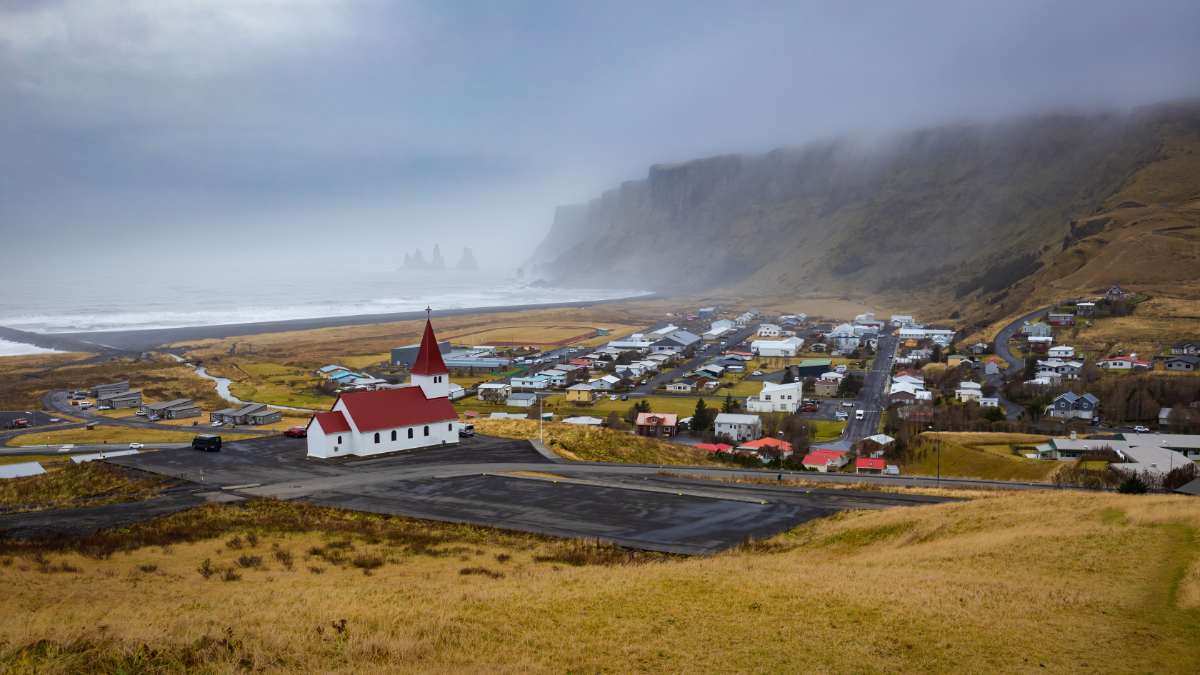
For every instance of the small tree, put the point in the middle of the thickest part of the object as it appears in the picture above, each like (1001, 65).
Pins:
(730, 405)
(702, 418)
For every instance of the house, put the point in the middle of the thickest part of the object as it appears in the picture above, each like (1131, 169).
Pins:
(956, 360)
(534, 383)
(823, 460)
(556, 377)
(784, 398)
(387, 420)
(712, 370)
(119, 399)
(1061, 352)
(769, 330)
(713, 447)
(738, 427)
(1060, 319)
(979, 348)
(179, 408)
(1040, 344)
(680, 341)
(1185, 349)
(252, 413)
(1069, 405)
(1117, 294)
(580, 394)
(1085, 309)
(876, 445)
(989, 402)
(968, 391)
(706, 312)
(744, 319)
(100, 390)
(607, 383)
(1068, 370)
(843, 337)
(584, 421)
(521, 399)
(1036, 329)
(657, 424)
(718, 328)
(906, 393)
(1182, 363)
(869, 465)
(809, 368)
(682, 387)
(1122, 362)
(493, 391)
(783, 347)
(901, 320)
(766, 449)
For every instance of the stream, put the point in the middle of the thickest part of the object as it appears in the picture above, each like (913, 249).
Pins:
(222, 386)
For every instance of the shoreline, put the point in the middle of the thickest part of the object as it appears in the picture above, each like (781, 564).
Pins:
(145, 339)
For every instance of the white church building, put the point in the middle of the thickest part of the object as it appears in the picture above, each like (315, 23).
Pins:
(418, 415)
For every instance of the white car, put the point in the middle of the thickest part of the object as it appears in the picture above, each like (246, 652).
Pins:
(215, 424)
(859, 414)
(66, 448)
(847, 404)
(757, 373)
(136, 446)
(1139, 429)
(841, 415)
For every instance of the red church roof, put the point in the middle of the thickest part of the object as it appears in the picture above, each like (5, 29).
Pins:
(390, 408)
(429, 357)
(332, 422)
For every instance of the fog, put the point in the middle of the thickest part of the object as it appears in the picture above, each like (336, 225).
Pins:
(223, 136)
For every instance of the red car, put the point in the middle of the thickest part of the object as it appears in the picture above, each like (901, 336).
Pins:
(808, 407)
(296, 432)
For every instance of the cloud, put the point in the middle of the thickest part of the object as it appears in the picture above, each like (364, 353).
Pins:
(175, 37)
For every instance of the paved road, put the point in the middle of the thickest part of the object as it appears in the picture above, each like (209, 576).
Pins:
(1012, 410)
(702, 356)
(872, 398)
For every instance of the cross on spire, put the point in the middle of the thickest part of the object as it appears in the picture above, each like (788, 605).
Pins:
(428, 312)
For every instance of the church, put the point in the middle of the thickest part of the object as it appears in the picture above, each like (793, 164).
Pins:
(417, 415)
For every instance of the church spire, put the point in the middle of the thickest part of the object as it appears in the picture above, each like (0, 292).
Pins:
(429, 357)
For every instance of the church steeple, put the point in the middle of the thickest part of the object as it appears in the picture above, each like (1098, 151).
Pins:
(429, 370)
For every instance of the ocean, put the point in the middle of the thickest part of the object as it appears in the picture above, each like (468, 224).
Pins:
(96, 303)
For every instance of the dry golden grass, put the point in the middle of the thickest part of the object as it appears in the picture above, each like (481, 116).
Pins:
(596, 445)
(116, 435)
(980, 455)
(1041, 582)
(73, 485)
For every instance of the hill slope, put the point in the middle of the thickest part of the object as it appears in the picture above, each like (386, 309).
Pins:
(956, 213)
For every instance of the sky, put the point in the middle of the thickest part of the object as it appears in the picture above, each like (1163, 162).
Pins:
(152, 135)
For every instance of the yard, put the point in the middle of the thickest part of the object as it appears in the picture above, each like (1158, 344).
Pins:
(116, 435)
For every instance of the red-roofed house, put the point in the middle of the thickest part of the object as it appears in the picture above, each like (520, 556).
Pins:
(869, 465)
(657, 424)
(388, 420)
(823, 460)
(714, 447)
(767, 448)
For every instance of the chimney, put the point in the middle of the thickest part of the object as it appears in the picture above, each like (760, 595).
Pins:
(1074, 435)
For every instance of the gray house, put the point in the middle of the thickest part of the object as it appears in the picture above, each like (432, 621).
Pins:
(253, 413)
(120, 399)
(1186, 349)
(1182, 363)
(100, 390)
(1070, 405)
(173, 410)
(738, 427)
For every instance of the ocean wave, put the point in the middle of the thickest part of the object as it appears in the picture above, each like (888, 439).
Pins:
(8, 348)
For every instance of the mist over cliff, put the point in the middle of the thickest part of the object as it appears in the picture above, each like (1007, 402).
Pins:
(934, 207)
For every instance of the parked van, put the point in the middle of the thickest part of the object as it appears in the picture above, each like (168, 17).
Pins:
(859, 414)
(207, 443)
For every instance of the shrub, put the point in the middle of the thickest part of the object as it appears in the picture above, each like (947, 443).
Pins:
(367, 563)
(481, 571)
(206, 569)
(1132, 486)
(148, 568)
(249, 561)
(284, 556)
(230, 575)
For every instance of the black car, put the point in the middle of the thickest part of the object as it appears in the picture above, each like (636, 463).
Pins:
(207, 443)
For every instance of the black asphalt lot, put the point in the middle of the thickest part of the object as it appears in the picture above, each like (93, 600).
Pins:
(86, 521)
(627, 505)
(36, 418)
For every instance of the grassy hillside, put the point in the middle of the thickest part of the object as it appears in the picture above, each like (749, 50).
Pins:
(991, 456)
(596, 445)
(1045, 582)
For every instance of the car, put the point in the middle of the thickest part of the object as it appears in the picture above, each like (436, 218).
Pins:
(612, 397)
(66, 448)
(757, 373)
(296, 432)
(1139, 429)
(215, 423)
(136, 446)
(20, 423)
(847, 404)
(841, 415)
(859, 414)
(55, 419)
(466, 431)
(207, 443)
(809, 408)
(140, 413)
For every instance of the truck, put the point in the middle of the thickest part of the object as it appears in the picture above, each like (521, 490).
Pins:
(207, 443)
(859, 414)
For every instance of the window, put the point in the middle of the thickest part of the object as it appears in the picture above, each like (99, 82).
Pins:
(410, 433)
(426, 429)
(339, 440)
(376, 436)
(393, 434)
(450, 427)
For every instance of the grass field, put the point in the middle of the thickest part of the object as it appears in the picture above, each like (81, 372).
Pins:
(1029, 582)
(69, 485)
(980, 455)
(597, 445)
(107, 433)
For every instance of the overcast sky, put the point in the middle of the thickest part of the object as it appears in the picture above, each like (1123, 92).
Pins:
(138, 132)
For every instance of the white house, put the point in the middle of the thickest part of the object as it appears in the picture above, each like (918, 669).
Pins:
(843, 337)
(785, 347)
(783, 398)
(902, 320)
(769, 330)
(556, 377)
(1061, 352)
(1062, 369)
(493, 391)
(521, 400)
(738, 427)
(968, 391)
(535, 383)
(387, 420)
